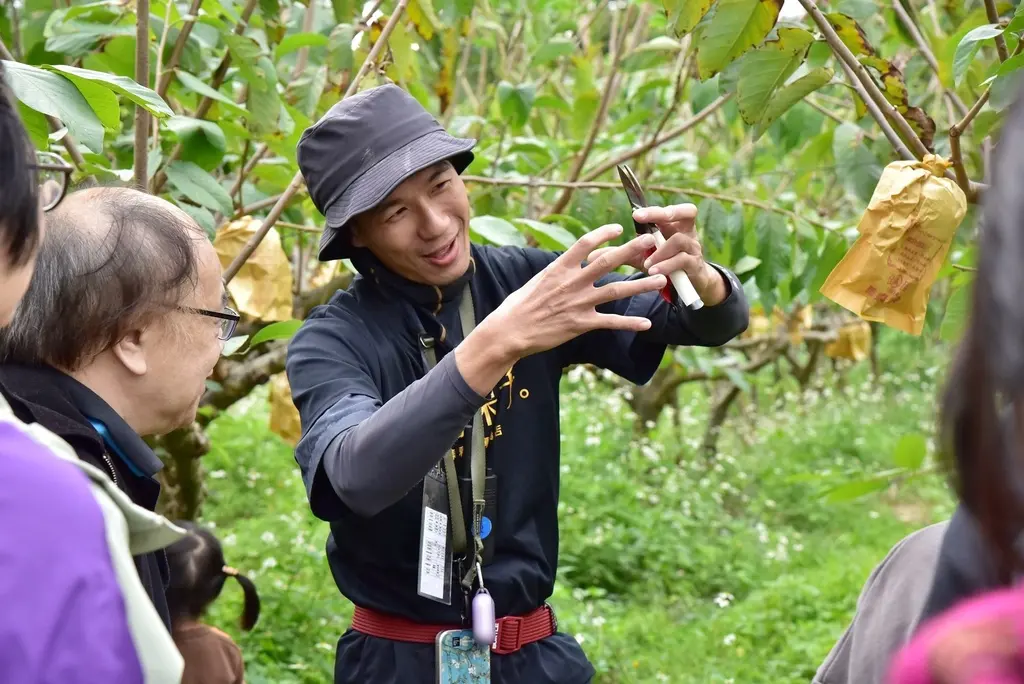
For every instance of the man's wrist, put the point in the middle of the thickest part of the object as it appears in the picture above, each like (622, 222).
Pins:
(485, 356)
(716, 289)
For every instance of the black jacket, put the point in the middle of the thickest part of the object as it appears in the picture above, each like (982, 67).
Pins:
(69, 409)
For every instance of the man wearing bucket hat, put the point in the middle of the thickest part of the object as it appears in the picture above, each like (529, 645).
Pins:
(428, 392)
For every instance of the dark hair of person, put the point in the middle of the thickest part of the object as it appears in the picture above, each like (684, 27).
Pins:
(197, 574)
(19, 191)
(112, 259)
(981, 417)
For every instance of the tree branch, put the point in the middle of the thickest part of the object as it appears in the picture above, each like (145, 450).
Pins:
(596, 185)
(847, 57)
(302, 59)
(894, 139)
(958, 129)
(215, 82)
(926, 52)
(595, 127)
(993, 18)
(297, 180)
(651, 144)
(166, 73)
(141, 156)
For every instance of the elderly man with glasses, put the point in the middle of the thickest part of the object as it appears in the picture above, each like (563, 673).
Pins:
(123, 321)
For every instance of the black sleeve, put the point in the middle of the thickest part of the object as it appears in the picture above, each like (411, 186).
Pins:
(358, 452)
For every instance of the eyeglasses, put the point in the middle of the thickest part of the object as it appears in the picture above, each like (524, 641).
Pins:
(53, 178)
(228, 319)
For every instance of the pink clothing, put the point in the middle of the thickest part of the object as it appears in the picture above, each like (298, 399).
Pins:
(910, 666)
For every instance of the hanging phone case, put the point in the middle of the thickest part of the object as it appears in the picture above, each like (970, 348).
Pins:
(460, 660)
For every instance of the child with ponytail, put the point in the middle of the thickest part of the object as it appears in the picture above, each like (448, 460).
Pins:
(197, 575)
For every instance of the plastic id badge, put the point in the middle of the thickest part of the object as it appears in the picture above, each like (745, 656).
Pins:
(435, 566)
(460, 660)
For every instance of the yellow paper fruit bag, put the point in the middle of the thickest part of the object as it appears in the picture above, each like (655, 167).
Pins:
(284, 417)
(263, 287)
(905, 234)
(854, 342)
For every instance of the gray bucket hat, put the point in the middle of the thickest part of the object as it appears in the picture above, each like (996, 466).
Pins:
(362, 149)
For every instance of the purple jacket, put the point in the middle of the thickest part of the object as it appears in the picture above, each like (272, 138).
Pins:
(62, 616)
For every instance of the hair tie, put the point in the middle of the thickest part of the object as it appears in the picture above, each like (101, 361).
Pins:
(228, 570)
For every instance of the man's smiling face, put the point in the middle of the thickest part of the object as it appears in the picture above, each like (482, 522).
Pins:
(421, 231)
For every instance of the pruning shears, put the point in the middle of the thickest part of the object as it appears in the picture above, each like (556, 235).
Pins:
(677, 279)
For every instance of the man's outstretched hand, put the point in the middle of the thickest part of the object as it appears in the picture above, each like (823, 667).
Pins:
(681, 251)
(555, 306)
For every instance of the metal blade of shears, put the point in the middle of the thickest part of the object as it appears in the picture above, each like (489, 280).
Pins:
(636, 196)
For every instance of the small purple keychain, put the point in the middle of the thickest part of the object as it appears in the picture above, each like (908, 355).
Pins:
(484, 627)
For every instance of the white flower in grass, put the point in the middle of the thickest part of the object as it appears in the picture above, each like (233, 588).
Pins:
(729, 639)
(724, 599)
(268, 537)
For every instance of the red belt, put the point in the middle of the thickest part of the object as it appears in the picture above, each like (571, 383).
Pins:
(513, 632)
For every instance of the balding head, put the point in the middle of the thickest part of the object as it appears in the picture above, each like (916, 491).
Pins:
(112, 259)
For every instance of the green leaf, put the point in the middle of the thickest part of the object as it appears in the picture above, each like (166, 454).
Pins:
(746, 264)
(583, 112)
(202, 141)
(126, 87)
(736, 377)
(52, 94)
(281, 330)
(910, 451)
(767, 68)
(515, 103)
(192, 83)
(36, 125)
(1011, 65)
(202, 216)
(969, 46)
(954, 321)
(344, 10)
(102, 101)
(339, 47)
(856, 164)
(850, 32)
(773, 249)
(233, 345)
(549, 235)
(571, 223)
(199, 186)
(859, 488)
(553, 103)
(552, 50)
(297, 41)
(831, 254)
(789, 95)
(496, 230)
(245, 53)
(736, 27)
(653, 53)
(684, 15)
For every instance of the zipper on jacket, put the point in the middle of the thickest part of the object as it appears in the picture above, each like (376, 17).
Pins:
(110, 466)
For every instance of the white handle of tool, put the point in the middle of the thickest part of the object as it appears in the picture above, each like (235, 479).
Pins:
(680, 281)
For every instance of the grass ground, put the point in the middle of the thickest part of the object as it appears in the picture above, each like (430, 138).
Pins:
(672, 569)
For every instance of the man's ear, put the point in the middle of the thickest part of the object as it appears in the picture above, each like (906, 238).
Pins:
(130, 350)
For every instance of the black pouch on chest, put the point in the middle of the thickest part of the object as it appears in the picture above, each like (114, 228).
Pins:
(490, 518)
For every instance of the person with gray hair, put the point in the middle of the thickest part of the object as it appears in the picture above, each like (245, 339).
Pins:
(123, 322)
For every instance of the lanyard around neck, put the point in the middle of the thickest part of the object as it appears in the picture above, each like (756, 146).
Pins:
(478, 458)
